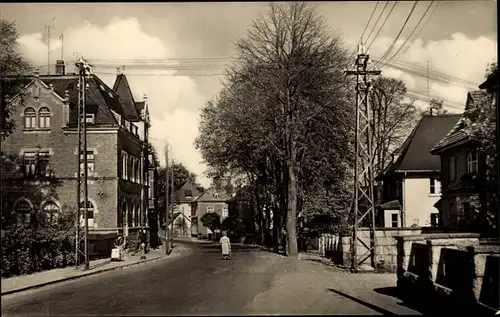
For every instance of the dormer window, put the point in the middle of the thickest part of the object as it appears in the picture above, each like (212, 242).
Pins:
(188, 194)
(216, 195)
(90, 118)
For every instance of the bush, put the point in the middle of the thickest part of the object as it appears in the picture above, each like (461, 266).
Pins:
(26, 250)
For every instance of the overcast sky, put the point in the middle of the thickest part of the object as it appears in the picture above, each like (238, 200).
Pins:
(459, 40)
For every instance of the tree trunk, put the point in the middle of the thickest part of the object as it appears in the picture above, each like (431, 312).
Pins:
(291, 220)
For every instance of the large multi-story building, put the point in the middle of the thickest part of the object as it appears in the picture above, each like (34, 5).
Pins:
(45, 144)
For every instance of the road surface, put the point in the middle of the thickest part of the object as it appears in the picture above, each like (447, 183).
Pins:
(200, 282)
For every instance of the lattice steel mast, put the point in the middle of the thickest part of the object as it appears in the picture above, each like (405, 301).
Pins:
(82, 249)
(364, 203)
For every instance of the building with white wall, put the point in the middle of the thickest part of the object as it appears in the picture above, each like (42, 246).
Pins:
(412, 181)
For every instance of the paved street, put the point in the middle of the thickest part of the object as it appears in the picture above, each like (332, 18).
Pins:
(200, 282)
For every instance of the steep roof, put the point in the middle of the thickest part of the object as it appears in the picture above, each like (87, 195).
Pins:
(99, 99)
(180, 194)
(415, 154)
(458, 133)
(212, 195)
(122, 88)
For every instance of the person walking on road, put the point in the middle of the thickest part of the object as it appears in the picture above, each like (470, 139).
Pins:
(225, 245)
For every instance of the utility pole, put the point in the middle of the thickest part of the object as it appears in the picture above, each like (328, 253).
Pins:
(84, 72)
(428, 89)
(62, 46)
(49, 28)
(364, 203)
(145, 164)
(172, 202)
(167, 246)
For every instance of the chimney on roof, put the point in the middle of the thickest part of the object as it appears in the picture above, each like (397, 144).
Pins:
(395, 156)
(60, 67)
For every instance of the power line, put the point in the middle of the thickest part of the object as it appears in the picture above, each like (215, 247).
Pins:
(366, 26)
(413, 31)
(382, 26)
(378, 19)
(423, 26)
(369, 20)
(399, 34)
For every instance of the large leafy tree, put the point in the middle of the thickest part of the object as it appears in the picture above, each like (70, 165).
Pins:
(284, 107)
(13, 70)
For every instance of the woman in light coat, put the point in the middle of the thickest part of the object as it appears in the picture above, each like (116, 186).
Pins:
(225, 246)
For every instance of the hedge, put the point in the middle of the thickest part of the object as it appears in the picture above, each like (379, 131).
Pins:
(43, 246)
(25, 251)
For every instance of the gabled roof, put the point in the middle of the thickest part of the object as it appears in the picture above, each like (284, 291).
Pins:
(457, 133)
(212, 195)
(415, 156)
(180, 194)
(122, 88)
(99, 99)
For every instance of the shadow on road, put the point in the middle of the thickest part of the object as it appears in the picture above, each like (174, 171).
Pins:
(393, 292)
(388, 291)
(362, 302)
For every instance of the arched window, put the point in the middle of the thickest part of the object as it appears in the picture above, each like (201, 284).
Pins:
(124, 165)
(44, 117)
(472, 162)
(50, 210)
(29, 118)
(90, 214)
(23, 210)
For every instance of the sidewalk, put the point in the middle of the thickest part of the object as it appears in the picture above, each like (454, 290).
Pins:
(20, 283)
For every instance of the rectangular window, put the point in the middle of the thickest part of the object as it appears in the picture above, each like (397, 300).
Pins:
(134, 129)
(188, 194)
(394, 220)
(29, 163)
(434, 220)
(90, 163)
(44, 164)
(210, 209)
(432, 186)
(224, 212)
(151, 189)
(452, 169)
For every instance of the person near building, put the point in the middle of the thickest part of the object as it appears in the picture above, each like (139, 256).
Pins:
(225, 246)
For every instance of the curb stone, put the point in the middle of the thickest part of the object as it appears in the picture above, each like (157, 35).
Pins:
(70, 278)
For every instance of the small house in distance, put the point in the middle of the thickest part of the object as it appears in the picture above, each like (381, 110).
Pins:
(183, 199)
(213, 200)
(411, 182)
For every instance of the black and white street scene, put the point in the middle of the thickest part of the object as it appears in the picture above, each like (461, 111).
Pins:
(249, 158)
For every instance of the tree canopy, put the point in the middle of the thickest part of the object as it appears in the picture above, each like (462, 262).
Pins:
(13, 70)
